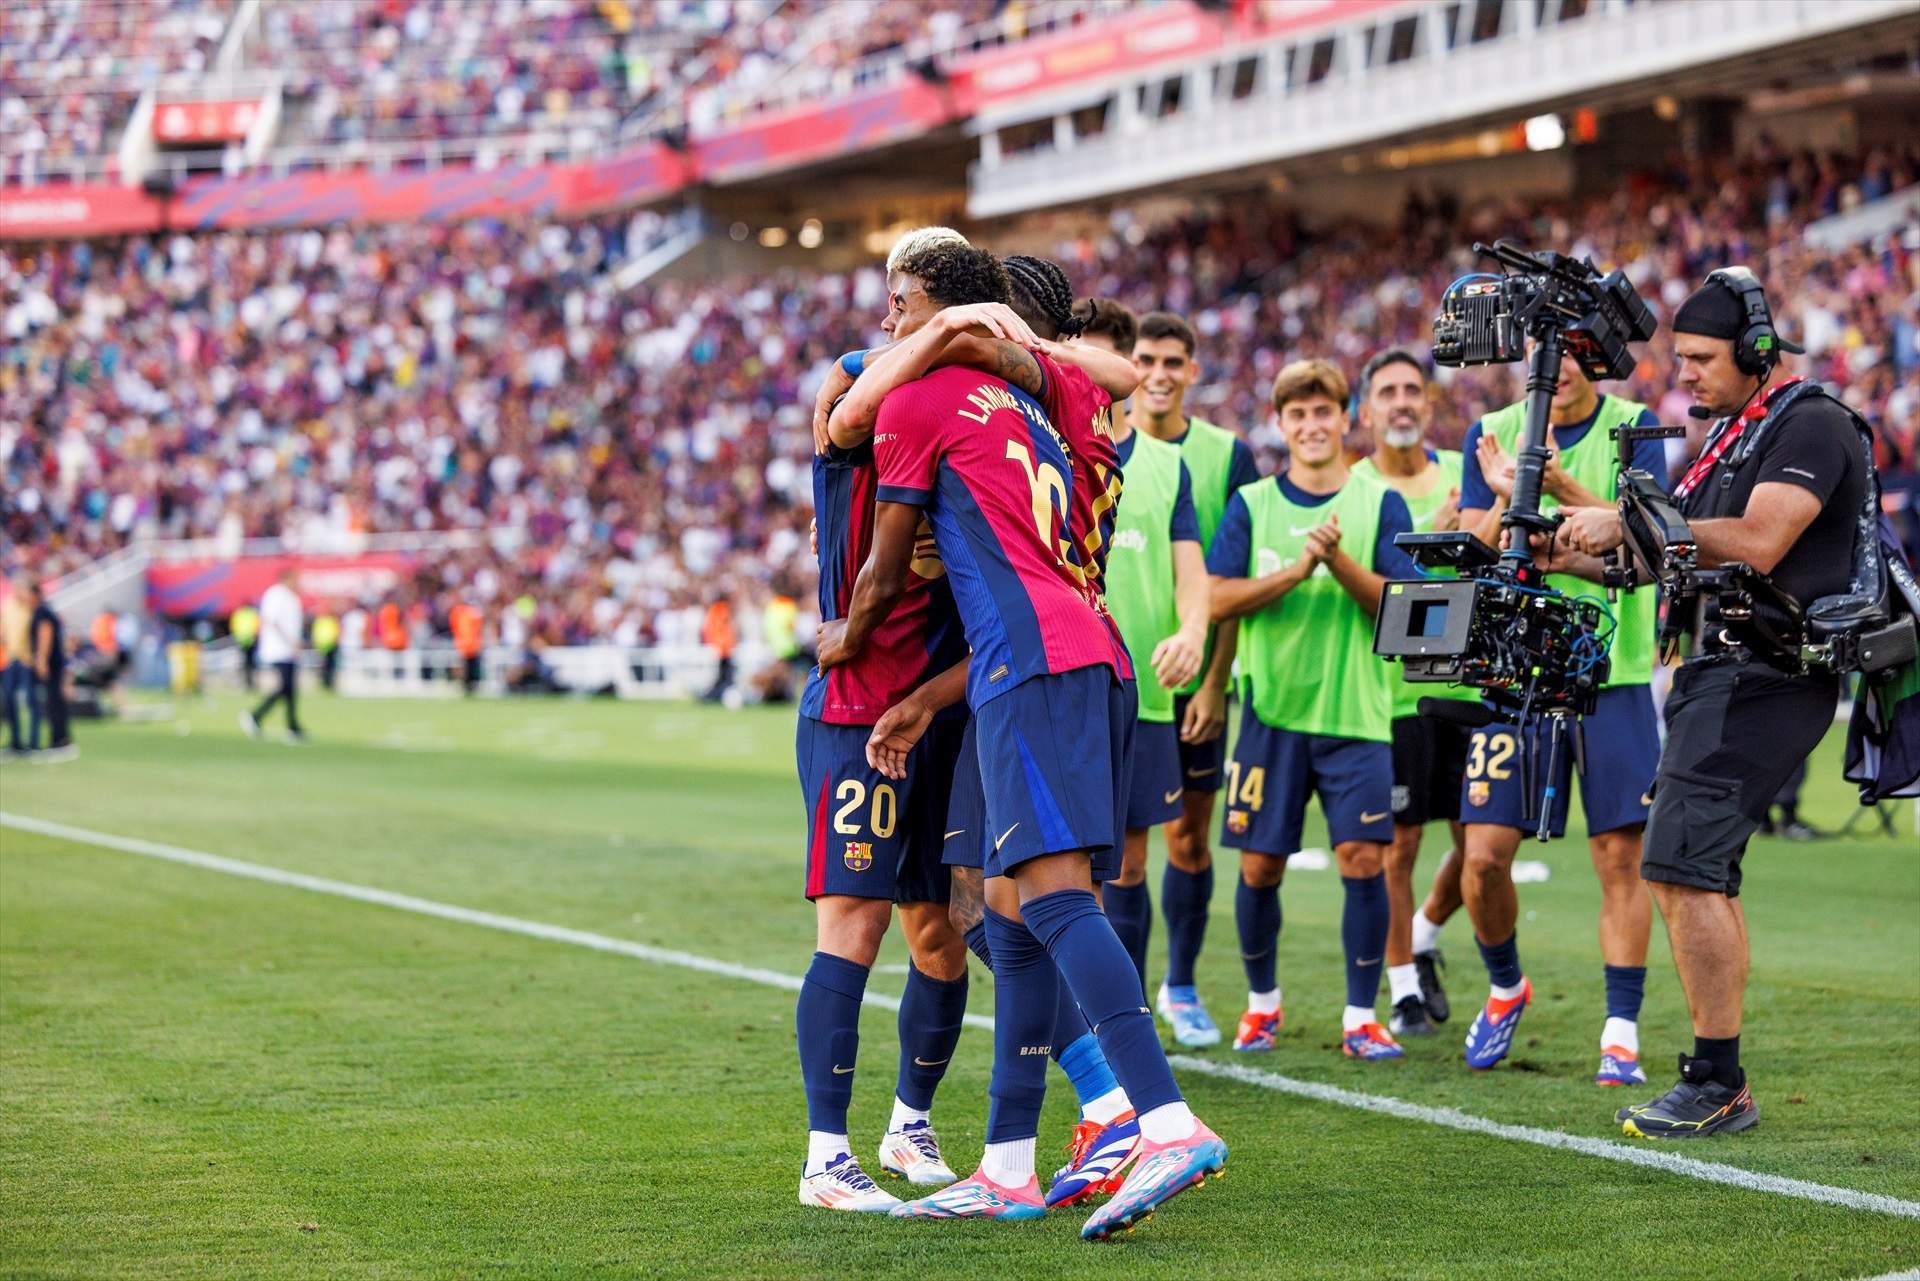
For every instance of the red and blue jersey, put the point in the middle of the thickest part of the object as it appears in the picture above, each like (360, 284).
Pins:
(996, 480)
(1084, 415)
(920, 638)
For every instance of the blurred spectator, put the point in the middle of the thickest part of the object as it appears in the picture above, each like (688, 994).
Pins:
(629, 455)
(718, 634)
(16, 658)
(72, 70)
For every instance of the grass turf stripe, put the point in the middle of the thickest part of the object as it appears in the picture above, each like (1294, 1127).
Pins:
(1450, 1118)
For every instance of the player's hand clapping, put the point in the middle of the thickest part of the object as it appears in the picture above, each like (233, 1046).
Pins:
(899, 728)
(1496, 466)
(1556, 483)
(1323, 544)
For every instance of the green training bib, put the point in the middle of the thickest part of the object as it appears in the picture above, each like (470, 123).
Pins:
(1306, 660)
(1593, 462)
(1139, 582)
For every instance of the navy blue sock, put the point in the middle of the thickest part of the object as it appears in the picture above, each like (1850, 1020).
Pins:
(1025, 993)
(1257, 913)
(826, 1024)
(1503, 960)
(1069, 1024)
(930, 1015)
(1080, 939)
(976, 941)
(1363, 933)
(1131, 911)
(1185, 898)
(1626, 988)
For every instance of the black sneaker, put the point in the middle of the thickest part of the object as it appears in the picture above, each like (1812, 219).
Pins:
(1695, 1108)
(1410, 1018)
(1797, 830)
(1431, 993)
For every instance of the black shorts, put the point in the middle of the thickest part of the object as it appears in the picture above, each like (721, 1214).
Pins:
(1736, 730)
(1202, 765)
(1429, 760)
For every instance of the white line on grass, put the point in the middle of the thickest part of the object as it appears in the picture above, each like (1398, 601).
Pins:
(1450, 1118)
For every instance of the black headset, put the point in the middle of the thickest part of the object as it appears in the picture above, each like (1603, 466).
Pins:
(1757, 350)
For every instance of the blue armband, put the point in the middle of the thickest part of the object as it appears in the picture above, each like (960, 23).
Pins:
(854, 363)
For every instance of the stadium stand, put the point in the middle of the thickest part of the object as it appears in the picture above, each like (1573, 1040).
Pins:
(71, 71)
(428, 82)
(635, 451)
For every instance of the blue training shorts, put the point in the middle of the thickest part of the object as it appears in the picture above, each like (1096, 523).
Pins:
(868, 836)
(1200, 763)
(1053, 754)
(1273, 772)
(1153, 795)
(1617, 750)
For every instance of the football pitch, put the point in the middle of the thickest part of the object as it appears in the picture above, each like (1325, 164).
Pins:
(506, 989)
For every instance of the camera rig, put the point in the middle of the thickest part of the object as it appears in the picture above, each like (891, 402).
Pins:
(1734, 605)
(1490, 619)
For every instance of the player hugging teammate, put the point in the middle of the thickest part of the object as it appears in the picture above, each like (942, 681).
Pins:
(1017, 681)
(1020, 510)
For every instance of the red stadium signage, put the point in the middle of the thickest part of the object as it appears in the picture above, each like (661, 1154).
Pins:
(1129, 44)
(822, 130)
(177, 124)
(1084, 53)
(316, 199)
(91, 210)
(215, 588)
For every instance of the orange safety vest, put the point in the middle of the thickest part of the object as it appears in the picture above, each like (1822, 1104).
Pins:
(392, 633)
(717, 633)
(466, 623)
(105, 638)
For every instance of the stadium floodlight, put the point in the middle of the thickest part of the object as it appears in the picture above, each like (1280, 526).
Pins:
(1545, 133)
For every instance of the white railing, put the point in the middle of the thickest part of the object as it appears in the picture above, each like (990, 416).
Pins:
(678, 236)
(325, 544)
(239, 30)
(585, 140)
(804, 82)
(117, 581)
(680, 671)
(1336, 87)
(1891, 212)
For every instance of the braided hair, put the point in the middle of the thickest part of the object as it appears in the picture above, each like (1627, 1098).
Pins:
(1043, 298)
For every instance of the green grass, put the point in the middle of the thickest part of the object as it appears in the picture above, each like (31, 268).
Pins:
(202, 1076)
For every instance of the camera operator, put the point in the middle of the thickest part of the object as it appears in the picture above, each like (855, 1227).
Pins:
(1779, 488)
(1615, 747)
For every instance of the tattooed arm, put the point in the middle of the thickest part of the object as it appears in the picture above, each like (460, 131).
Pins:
(851, 423)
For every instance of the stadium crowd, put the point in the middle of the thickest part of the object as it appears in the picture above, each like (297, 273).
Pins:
(634, 454)
(362, 72)
(72, 70)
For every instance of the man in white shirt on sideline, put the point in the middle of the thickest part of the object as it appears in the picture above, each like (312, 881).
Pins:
(280, 630)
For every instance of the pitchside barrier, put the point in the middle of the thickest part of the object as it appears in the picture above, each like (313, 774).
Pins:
(664, 671)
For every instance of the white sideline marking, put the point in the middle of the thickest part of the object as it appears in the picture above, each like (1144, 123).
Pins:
(1449, 1118)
